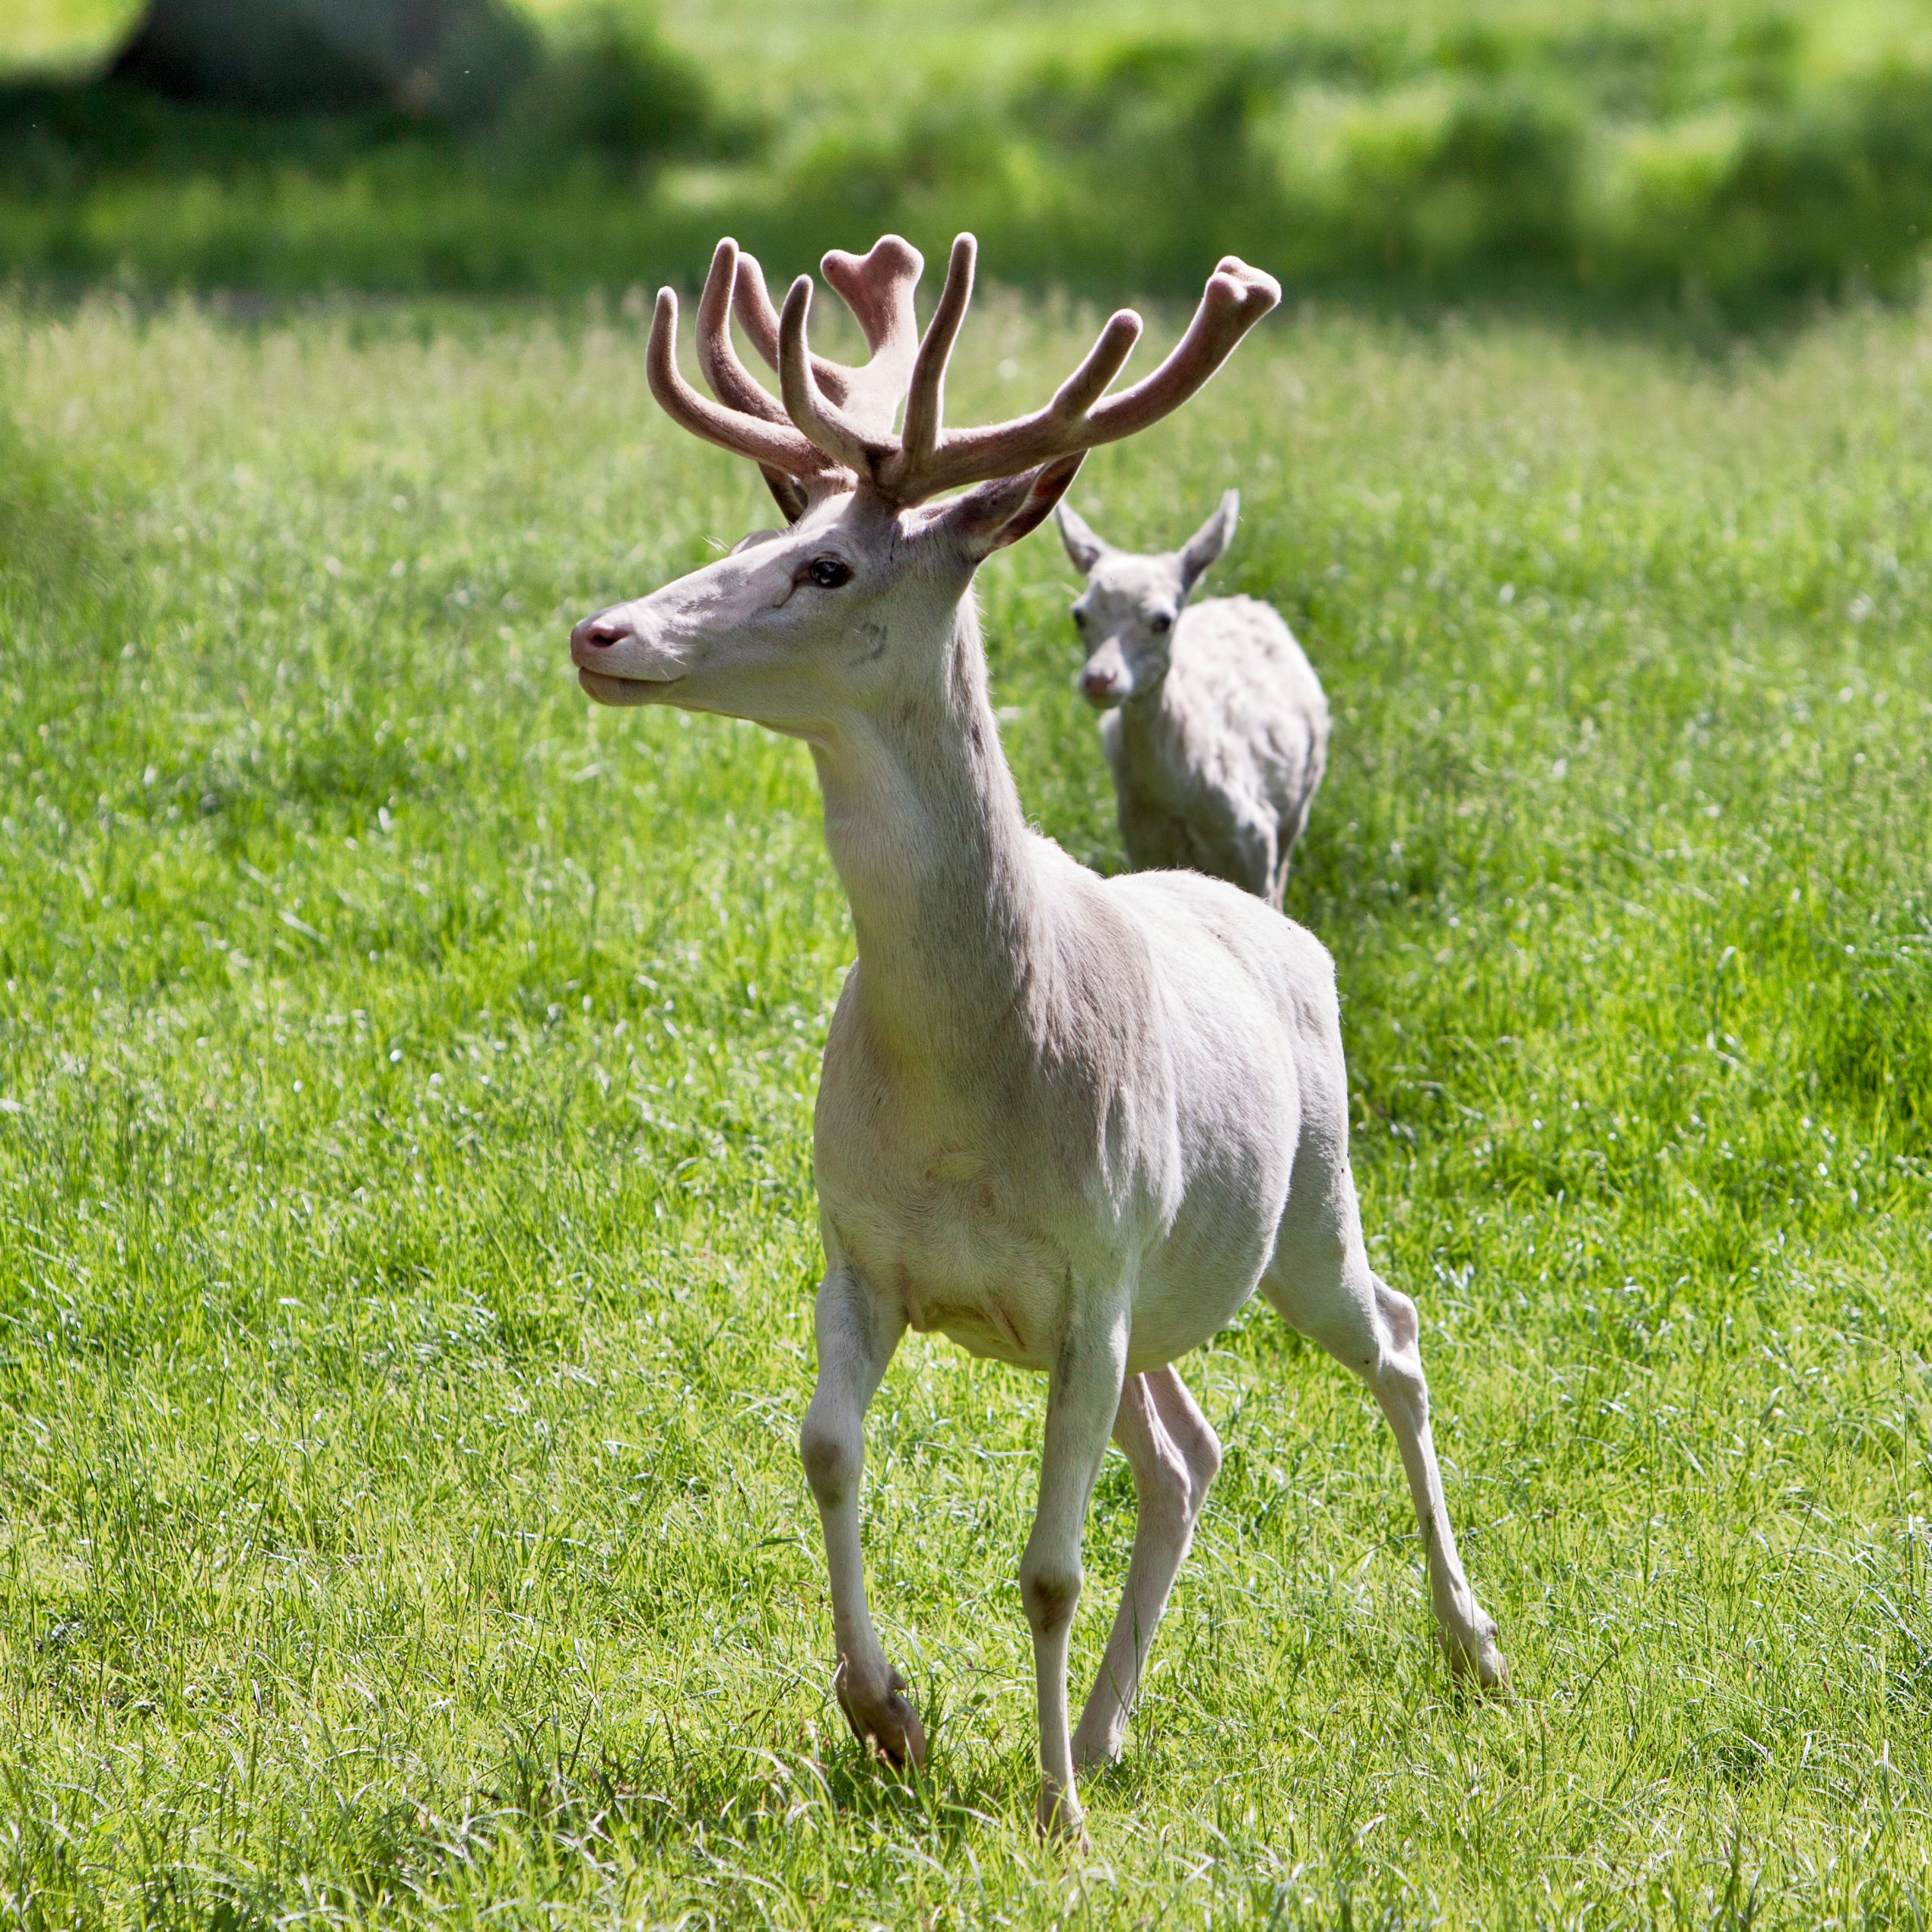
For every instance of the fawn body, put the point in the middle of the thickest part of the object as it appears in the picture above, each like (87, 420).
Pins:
(1214, 725)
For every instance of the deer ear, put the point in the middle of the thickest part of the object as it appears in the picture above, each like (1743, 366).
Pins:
(1083, 547)
(991, 515)
(787, 491)
(1210, 540)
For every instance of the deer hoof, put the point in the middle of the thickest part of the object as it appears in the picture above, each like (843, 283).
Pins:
(886, 1723)
(1475, 1658)
(1061, 1820)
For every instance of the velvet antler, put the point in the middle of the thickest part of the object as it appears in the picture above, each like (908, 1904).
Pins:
(834, 426)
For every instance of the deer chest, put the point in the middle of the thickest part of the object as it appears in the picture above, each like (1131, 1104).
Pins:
(947, 1236)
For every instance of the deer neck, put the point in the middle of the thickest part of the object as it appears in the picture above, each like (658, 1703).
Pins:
(1143, 717)
(924, 823)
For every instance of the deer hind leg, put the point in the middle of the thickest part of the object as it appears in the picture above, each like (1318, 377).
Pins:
(858, 1332)
(1173, 1455)
(1264, 856)
(1288, 842)
(1321, 1283)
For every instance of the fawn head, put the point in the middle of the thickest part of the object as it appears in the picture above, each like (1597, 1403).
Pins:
(1131, 607)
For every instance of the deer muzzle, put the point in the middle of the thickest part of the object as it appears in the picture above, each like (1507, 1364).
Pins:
(1107, 678)
(617, 665)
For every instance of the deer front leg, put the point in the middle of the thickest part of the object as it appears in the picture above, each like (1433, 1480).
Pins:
(1173, 1454)
(1081, 1404)
(858, 1332)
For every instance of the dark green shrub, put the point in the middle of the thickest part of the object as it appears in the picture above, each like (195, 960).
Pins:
(453, 61)
(612, 89)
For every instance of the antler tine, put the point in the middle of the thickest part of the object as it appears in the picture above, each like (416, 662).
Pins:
(752, 304)
(1105, 361)
(925, 399)
(1004, 449)
(1236, 297)
(841, 437)
(751, 300)
(878, 288)
(781, 447)
(732, 384)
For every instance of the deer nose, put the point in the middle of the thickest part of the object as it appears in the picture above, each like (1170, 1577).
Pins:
(600, 633)
(1096, 684)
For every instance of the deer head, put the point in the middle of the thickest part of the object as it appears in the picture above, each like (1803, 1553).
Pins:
(801, 624)
(1127, 615)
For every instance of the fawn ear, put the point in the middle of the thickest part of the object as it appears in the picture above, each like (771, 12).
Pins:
(991, 515)
(1210, 540)
(787, 491)
(1083, 547)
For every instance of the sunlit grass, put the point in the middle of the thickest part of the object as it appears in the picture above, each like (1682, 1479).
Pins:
(406, 1236)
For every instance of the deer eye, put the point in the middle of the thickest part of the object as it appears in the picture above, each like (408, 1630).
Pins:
(1162, 622)
(829, 572)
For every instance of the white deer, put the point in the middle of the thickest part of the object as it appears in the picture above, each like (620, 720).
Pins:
(1213, 721)
(1072, 1123)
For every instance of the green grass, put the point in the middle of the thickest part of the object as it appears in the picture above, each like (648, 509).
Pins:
(406, 1235)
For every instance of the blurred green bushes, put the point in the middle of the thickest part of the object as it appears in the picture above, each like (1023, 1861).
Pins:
(1729, 160)
(1664, 160)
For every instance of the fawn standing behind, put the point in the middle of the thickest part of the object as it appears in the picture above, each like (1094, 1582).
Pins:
(1215, 723)
(1072, 1123)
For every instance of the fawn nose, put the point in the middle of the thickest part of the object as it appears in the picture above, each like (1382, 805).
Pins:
(1096, 683)
(600, 633)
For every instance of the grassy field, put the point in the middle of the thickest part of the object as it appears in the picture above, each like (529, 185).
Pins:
(406, 1236)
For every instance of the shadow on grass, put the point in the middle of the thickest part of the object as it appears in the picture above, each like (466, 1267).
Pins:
(554, 1784)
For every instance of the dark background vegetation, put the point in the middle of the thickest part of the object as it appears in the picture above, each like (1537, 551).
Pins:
(1725, 157)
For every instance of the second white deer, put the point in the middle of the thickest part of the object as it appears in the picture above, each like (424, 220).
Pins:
(1071, 1123)
(1214, 723)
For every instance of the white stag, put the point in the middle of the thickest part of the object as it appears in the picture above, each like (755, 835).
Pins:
(1214, 724)
(1072, 1122)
